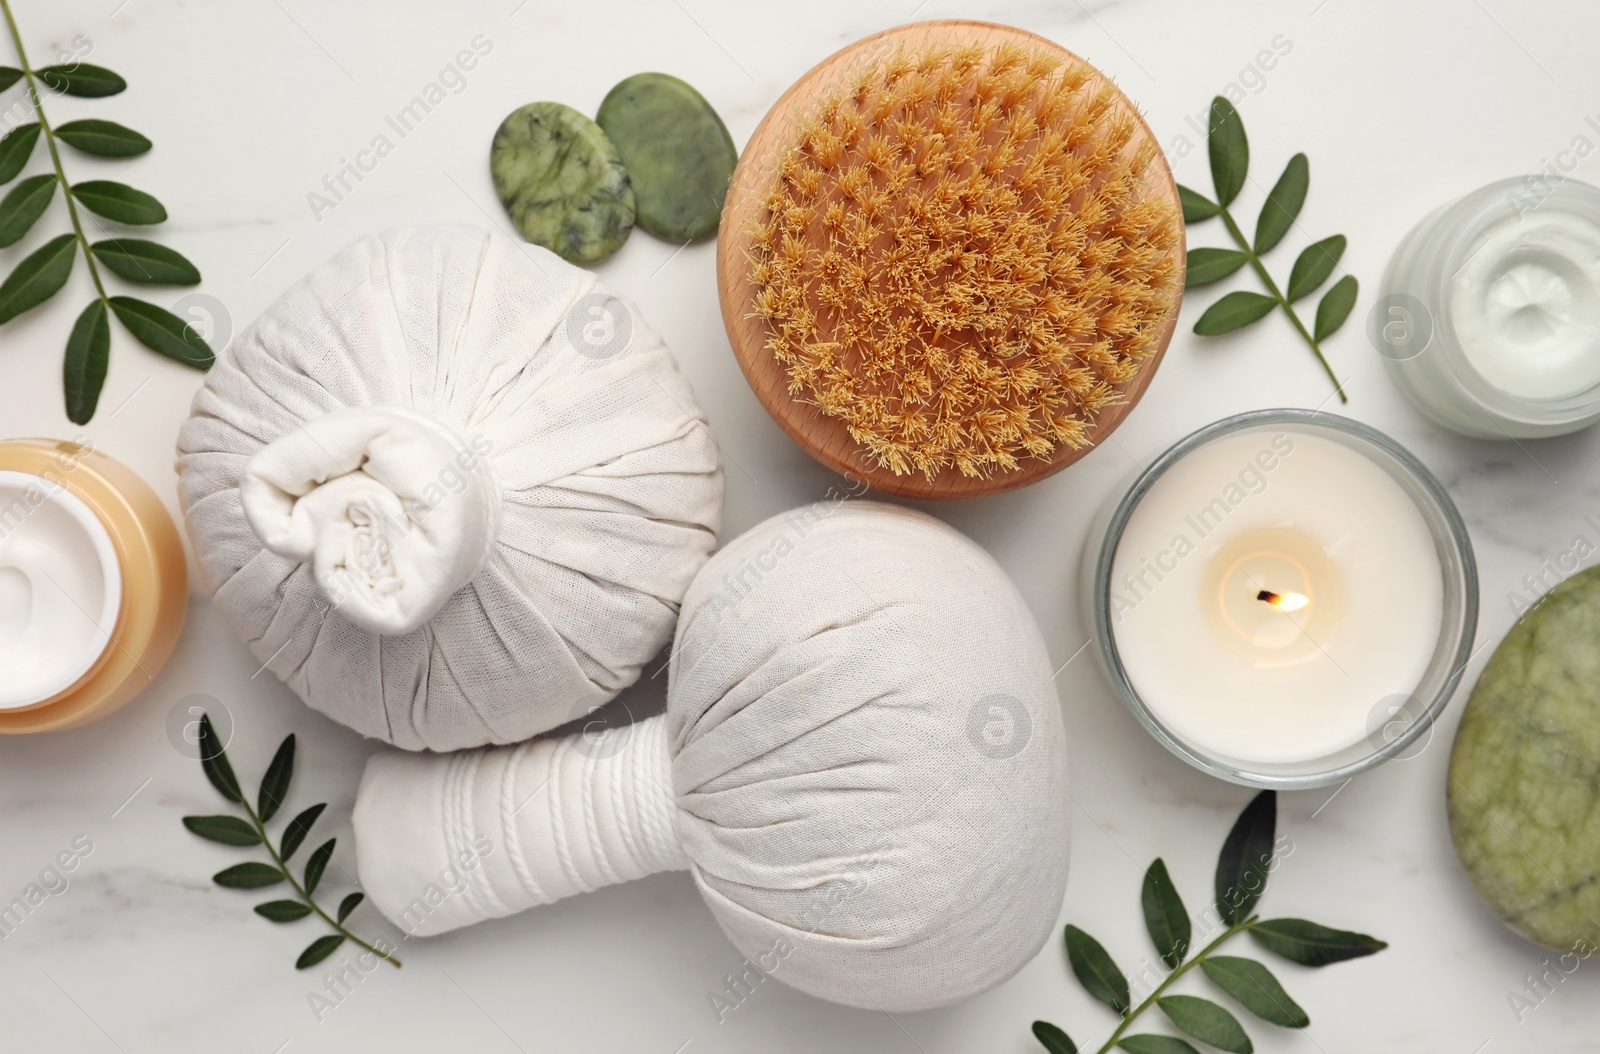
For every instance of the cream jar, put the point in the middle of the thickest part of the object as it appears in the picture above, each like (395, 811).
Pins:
(93, 585)
(1489, 319)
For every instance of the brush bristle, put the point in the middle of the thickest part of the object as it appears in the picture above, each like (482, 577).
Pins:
(959, 259)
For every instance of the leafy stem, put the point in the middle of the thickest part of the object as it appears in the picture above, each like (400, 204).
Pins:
(1166, 982)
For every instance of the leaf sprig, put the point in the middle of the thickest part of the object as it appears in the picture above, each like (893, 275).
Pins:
(42, 274)
(231, 830)
(1242, 869)
(1230, 161)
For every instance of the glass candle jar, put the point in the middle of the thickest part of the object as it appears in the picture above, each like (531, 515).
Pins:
(1489, 318)
(1283, 599)
(93, 585)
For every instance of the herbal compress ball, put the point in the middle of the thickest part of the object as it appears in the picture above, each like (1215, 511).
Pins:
(450, 489)
(861, 764)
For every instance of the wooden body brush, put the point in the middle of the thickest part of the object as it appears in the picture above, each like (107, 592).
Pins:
(951, 259)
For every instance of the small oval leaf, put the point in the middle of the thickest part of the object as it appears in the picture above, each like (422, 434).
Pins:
(214, 762)
(248, 876)
(161, 331)
(1212, 265)
(1165, 916)
(1150, 1043)
(229, 830)
(1095, 970)
(283, 910)
(120, 202)
(1229, 150)
(103, 138)
(319, 950)
(16, 148)
(1283, 205)
(1196, 206)
(1310, 944)
(1054, 1040)
(1207, 1022)
(1335, 307)
(349, 904)
(298, 828)
(39, 276)
(1234, 311)
(275, 784)
(146, 262)
(1313, 266)
(82, 79)
(21, 208)
(9, 75)
(317, 863)
(1256, 990)
(83, 369)
(1242, 866)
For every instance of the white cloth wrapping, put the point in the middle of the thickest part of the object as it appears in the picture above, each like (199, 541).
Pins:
(450, 489)
(862, 764)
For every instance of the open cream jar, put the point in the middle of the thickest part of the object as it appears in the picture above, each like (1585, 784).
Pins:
(92, 585)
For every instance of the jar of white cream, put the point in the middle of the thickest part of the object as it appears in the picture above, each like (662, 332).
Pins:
(1489, 318)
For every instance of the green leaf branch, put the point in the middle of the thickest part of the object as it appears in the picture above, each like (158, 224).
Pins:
(252, 831)
(1229, 151)
(1242, 869)
(43, 273)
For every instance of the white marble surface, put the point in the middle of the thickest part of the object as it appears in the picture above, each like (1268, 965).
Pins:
(1400, 107)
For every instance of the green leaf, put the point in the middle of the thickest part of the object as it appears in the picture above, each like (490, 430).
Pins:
(1164, 915)
(1229, 149)
(16, 148)
(1309, 944)
(248, 876)
(146, 262)
(214, 760)
(1054, 1040)
(1313, 266)
(38, 277)
(23, 206)
(1095, 970)
(275, 784)
(1335, 307)
(83, 370)
(1207, 1022)
(297, 830)
(1150, 1043)
(9, 75)
(1196, 206)
(103, 138)
(1212, 265)
(229, 830)
(319, 950)
(161, 331)
(1256, 990)
(118, 201)
(1283, 204)
(318, 863)
(1234, 311)
(82, 79)
(283, 910)
(1242, 866)
(348, 904)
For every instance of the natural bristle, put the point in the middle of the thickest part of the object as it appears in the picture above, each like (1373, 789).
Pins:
(960, 259)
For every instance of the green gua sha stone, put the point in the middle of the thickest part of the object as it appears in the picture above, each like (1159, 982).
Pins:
(678, 152)
(1525, 772)
(562, 182)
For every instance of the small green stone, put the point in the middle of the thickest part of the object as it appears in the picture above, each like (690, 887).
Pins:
(678, 152)
(562, 182)
(1525, 772)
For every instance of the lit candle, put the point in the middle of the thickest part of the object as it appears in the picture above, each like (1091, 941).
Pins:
(1275, 591)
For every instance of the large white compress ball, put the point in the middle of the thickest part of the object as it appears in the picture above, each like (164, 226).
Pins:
(861, 763)
(450, 489)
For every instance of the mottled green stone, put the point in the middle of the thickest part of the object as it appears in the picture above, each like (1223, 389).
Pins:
(1524, 793)
(678, 152)
(562, 181)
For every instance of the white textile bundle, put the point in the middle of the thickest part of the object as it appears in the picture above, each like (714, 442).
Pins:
(450, 489)
(862, 764)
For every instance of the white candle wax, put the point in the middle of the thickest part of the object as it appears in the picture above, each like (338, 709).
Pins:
(1273, 592)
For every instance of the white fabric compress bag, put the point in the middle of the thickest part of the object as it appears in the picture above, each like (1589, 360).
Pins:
(450, 489)
(861, 763)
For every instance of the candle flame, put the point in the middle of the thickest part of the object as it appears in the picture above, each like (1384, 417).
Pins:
(1283, 601)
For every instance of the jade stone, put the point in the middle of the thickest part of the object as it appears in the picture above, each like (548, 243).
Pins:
(562, 182)
(1525, 772)
(678, 152)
